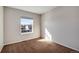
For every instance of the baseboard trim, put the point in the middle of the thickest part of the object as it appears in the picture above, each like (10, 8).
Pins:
(1, 48)
(21, 41)
(66, 46)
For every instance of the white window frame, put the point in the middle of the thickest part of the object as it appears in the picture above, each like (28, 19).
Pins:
(20, 25)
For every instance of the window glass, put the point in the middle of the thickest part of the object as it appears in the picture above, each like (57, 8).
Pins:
(26, 25)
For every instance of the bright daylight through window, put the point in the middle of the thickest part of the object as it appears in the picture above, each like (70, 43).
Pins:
(26, 25)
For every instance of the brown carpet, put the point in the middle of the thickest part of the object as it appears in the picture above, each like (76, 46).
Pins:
(36, 46)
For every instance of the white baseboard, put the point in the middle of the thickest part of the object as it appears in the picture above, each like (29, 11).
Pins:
(66, 46)
(19, 41)
(1, 46)
(14, 42)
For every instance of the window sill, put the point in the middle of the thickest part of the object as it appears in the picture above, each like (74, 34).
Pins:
(27, 33)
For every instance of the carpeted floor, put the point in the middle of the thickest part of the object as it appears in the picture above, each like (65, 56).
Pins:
(36, 46)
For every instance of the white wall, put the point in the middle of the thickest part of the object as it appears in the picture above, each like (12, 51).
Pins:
(1, 28)
(12, 25)
(62, 23)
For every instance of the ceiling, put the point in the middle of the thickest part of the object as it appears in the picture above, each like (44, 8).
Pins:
(35, 9)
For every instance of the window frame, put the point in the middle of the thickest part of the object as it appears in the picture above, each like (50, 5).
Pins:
(32, 26)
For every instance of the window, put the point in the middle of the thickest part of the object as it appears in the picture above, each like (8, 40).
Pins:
(26, 25)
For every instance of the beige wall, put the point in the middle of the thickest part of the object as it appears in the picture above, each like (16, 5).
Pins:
(62, 26)
(12, 25)
(1, 27)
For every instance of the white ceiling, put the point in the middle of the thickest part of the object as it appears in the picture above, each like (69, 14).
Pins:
(35, 9)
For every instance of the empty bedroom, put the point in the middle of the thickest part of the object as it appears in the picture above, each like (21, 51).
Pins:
(39, 29)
